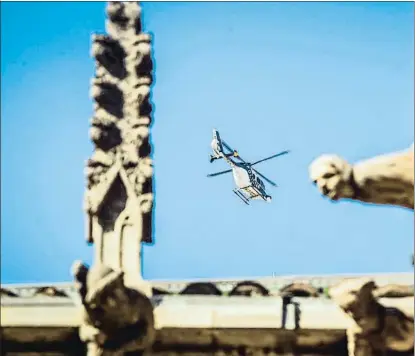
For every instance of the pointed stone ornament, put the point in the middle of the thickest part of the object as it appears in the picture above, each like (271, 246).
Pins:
(118, 315)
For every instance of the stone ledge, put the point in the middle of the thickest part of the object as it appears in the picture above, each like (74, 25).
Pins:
(225, 285)
(199, 312)
(191, 341)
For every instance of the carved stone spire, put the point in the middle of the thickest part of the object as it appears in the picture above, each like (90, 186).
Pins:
(118, 200)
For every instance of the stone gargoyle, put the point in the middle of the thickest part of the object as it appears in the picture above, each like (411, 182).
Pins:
(379, 329)
(386, 179)
(116, 318)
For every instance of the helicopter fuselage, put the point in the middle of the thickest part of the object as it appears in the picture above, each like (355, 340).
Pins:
(247, 181)
(248, 184)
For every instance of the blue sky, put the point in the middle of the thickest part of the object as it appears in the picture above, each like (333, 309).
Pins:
(310, 77)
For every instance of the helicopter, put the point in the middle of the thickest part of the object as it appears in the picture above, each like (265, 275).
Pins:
(249, 185)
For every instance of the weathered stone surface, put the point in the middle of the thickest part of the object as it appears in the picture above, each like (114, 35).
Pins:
(249, 288)
(300, 290)
(391, 285)
(119, 173)
(389, 180)
(201, 288)
(119, 197)
(118, 315)
(117, 318)
(59, 341)
(386, 179)
(394, 291)
(190, 324)
(378, 330)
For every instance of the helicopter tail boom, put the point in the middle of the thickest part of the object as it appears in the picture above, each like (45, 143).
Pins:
(218, 148)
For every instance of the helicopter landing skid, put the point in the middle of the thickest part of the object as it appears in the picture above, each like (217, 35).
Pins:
(241, 196)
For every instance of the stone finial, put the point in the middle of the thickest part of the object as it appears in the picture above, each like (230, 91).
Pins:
(118, 199)
(385, 179)
(119, 173)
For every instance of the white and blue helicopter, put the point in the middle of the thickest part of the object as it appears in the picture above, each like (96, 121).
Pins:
(249, 185)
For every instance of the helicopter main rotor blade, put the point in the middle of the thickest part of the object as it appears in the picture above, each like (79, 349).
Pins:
(231, 150)
(219, 173)
(227, 146)
(265, 178)
(273, 156)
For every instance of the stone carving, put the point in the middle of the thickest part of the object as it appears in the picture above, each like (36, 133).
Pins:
(394, 291)
(160, 291)
(50, 291)
(249, 288)
(389, 180)
(300, 290)
(119, 173)
(386, 179)
(201, 288)
(117, 319)
(118, 200)
(7, 293)
(378, 330)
